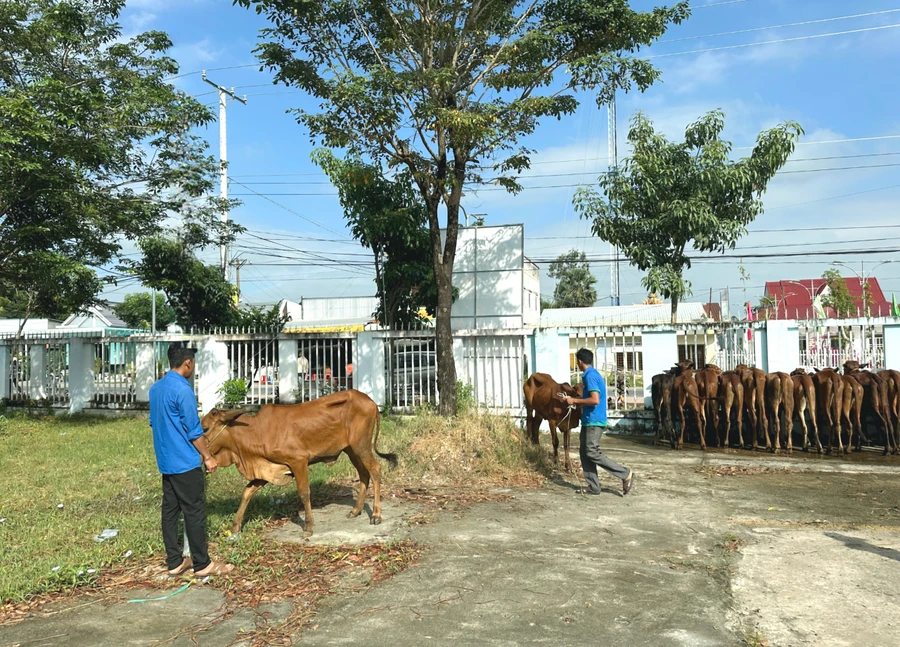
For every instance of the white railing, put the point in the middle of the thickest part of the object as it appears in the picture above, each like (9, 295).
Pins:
(19, 373)
(619, 357)
(410, 367)
(324, 364)
(829, 346)
(255, 361)
(115, 366)
(57, 373)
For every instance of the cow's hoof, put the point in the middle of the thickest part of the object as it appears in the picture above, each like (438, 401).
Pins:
(307, 533)
(375, 521)
(353, 514)
(234, 536)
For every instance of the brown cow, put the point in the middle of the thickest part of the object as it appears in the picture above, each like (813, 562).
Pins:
(874, 401)
(542, 403)
(708, 389)
(780, 400)
(829, 401)
(283, 440)
(805, 402)
(891, 380)
(851, 409)
(687, 395)
(754, 381)
(661, 389)
(731, 389)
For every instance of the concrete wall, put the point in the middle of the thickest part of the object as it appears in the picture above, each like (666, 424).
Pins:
(660, 353)
(782, 346)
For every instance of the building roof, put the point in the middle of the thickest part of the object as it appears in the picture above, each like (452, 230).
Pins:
(625, 315)
(106, 316)
(794, 298)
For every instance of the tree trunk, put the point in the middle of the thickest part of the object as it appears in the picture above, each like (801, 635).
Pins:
(446, 364)
(674, 309)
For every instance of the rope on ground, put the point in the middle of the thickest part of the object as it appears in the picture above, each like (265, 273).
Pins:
(165, 597)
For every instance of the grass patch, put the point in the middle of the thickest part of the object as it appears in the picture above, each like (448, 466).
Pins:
(103, 473)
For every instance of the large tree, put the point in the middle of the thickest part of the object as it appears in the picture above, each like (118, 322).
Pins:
(136, 310)
(669, 199)
(448, 90)
(95, 148)
(575, 283)
(387, 215)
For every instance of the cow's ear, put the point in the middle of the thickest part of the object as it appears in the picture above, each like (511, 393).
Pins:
(214, 412)
(232, 415)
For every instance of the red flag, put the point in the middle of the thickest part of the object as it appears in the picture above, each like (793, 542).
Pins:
(749, 318)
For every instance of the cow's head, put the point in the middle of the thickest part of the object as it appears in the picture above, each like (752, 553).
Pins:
(217, 429)
(712, 367)
(572, 419)
(851, 366)
(799, 371)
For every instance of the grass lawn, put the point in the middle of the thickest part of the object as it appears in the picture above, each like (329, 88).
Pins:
(64, 480)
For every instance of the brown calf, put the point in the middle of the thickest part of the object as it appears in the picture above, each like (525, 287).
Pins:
(687, 395)
(543, 403)
(780, 400)
(731, 390)
(283, 440)
(805, 402)
(829, 401)
(754, 381)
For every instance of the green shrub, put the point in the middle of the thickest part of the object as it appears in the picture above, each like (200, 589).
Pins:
(234, 391)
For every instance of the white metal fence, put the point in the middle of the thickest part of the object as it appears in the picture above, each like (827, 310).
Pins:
(19, 373)
(410, 369)
(619, 357)
(494, 366)
(115, 366)
(830, 346)
(324, 364)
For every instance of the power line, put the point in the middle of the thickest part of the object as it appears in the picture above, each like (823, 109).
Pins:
(776, 41)
(288, 209)
(212, 69)
(717, 4)
(786, 25)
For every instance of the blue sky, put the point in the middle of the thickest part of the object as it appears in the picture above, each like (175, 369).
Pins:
(840, 87)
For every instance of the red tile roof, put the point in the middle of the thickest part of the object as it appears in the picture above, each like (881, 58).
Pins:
(794, 302)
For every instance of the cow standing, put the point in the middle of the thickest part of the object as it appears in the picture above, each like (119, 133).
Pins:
(780, 400)
(754, 381)
(542, 403)
(687, 395)
(283, 440)
(661, 389)
(830, 398)
(805, 401)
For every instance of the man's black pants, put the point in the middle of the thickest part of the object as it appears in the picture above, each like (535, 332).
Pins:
(185, 494)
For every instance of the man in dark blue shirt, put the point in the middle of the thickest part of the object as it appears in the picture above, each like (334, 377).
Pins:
(593, 423)
(180, 445)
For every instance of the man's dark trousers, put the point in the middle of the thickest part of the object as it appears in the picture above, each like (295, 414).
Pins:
(185, 494)
(592, 457)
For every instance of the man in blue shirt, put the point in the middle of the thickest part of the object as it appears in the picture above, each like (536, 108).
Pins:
(180, 445)
(593, 422)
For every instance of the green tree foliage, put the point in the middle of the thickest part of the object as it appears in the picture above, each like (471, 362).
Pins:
(136, 310)
(447, 91)
(95, 148)
(575, 283)
(258, 318)
(387, 216)
(838, 297)
(671, 198)
(198, 293)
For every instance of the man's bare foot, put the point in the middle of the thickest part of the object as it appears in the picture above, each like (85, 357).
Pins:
(215, 569)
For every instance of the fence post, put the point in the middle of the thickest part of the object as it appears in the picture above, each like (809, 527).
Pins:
(782, 346)
(368, 366)
(891, 346)
(4, 371)
(144, 370)
(37, 384)
(81, 374)
(660, 353)
(761, 348)
(212, 372)
(288, 370)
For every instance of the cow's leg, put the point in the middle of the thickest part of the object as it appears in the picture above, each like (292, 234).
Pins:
(249, 490)
(700, 413)
(364, 478)
(802, 411)
(371, 464)
(555, 440)
(301, 474)
(811, 407)
(532, 429)
(680, 442)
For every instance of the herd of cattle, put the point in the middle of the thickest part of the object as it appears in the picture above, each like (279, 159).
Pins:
(859, 406)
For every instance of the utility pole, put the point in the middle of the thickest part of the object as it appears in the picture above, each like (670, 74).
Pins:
(613, 163)
(238, 264)
(223, 157)
(153, 312)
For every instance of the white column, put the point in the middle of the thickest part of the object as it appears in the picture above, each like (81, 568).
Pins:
(4, 371)
(81, 375)
(659, 353)
(288, 380)
(891, 347)
(368, 367)
(212, 372)
(37, 385)
(761, 349)
(783, 346)
(145, 370)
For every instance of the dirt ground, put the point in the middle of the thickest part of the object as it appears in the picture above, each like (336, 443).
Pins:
(710, 549)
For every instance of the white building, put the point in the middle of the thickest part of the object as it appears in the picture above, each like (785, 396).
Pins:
(499, 288)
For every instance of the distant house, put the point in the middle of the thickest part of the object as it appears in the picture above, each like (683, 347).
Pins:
(11, 326)
(795, 299)
(96, 319)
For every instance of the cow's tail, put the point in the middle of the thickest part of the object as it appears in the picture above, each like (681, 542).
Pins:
(390, 458)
